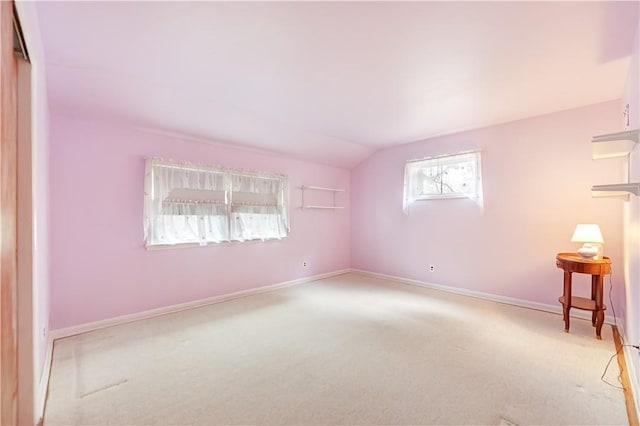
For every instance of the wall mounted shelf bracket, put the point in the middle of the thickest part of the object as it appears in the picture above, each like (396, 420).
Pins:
(618, 190)
(614, 144)
(321, 188)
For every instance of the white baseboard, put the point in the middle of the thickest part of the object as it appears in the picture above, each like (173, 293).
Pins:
(575, 313)
(110, 322)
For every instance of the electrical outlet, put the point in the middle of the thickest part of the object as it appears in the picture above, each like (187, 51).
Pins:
(304, 264)
(432, 268)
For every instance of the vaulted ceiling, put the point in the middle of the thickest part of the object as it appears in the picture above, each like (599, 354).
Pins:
(332, 81)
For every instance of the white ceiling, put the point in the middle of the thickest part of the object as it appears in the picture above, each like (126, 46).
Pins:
(332, 81)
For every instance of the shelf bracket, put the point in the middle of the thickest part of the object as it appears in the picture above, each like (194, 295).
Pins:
(614, 145)
(618, 190)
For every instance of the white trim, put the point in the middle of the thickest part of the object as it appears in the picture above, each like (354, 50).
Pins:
(322, 188)
(472, 151)
(43, 382)
(123, 319)
(159, 246)
(486, 296)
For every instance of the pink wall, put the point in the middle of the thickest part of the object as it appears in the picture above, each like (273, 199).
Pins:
(536, 172)
(99, 266)
(537, 175)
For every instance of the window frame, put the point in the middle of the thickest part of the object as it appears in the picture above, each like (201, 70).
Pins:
(413, 167)
(221, 203)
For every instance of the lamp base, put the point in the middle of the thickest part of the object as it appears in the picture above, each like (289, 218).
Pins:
(588, 251)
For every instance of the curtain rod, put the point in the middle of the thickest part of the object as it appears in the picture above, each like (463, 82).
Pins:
(220, 203)
(221, 170)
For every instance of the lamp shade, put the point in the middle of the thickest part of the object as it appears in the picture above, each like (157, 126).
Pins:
(587, 233)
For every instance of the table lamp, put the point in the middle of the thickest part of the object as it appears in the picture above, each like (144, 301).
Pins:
(590, 235)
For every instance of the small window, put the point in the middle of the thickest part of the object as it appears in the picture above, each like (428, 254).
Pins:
(188, 203)
(447, 176)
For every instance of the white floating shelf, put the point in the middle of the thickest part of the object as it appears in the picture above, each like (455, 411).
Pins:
(333, 191)
(618, 190)
(614, 144)
(323, 207)
(320, 188)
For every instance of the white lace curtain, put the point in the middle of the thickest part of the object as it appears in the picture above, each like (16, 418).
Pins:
(192, 203)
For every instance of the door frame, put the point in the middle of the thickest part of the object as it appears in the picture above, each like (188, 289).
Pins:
(8, 219)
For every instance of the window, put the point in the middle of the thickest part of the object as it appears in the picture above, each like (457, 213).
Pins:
(447, 176)
(191, 203)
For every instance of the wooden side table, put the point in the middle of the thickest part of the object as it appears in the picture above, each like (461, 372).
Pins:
(573, 262)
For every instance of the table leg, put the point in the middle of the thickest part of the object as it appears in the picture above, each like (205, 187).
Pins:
(599, 322)
(594, 297)
(566, 306)
(597, 282)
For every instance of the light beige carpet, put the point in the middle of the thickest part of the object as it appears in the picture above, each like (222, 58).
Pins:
(345, 350)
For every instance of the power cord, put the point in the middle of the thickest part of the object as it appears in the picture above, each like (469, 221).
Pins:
(613, 308)
(619, 378)
(607, 368)
(622, 344)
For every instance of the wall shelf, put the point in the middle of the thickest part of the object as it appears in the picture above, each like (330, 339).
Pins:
(614, 145)
(618, 190)
(322, 207)
(321, 188)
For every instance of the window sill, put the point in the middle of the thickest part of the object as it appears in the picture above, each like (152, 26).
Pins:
(154, 247)
(444, 196)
